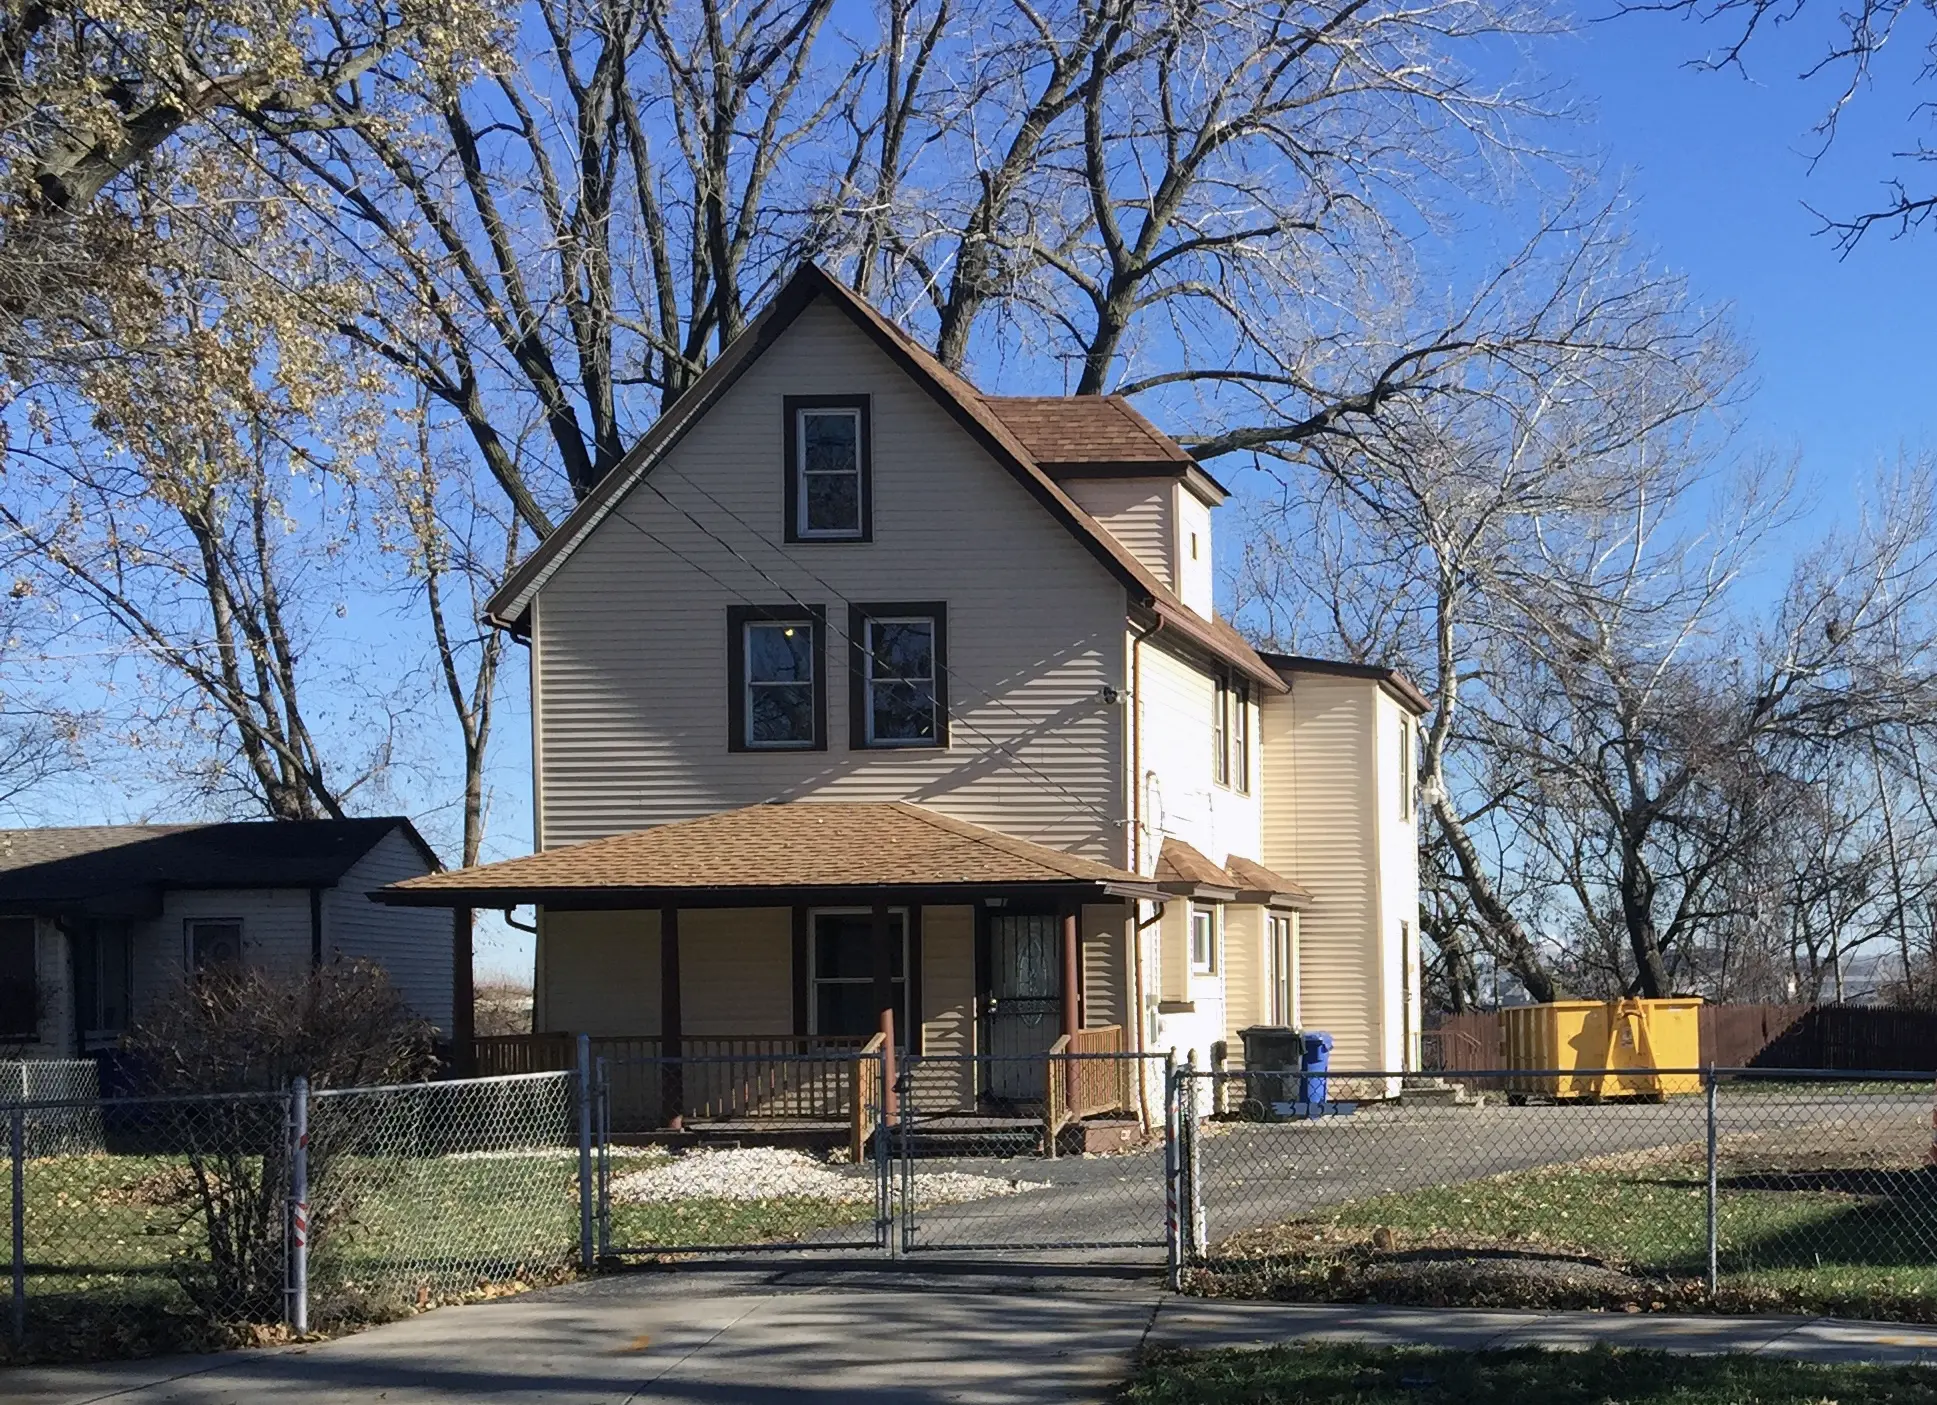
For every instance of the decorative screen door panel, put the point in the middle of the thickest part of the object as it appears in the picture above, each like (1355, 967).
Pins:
(1024, 1015)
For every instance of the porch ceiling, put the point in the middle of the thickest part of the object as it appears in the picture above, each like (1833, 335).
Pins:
(800, 851)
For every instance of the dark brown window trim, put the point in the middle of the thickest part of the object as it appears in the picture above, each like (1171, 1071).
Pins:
(912, 1039)
(857, 673)
(791, 493)
(738, 617)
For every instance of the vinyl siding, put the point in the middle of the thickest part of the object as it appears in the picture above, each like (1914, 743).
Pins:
(411, 944)
(1398, 890)
(1320, 799)
(947, 1009)
(736, 970)
(1139, 512)
(1244, 974)
(1194, 575)
(54, 978)
(275, 935)
(1106, 974)
(629, 654)
(598, 972)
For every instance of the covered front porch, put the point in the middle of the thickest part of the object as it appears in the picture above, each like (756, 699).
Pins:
(770, 972)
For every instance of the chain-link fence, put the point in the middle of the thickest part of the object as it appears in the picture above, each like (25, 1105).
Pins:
(143, 1225)
(1589, 1188)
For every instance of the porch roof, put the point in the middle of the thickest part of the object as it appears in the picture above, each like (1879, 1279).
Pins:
(796, 851)
(1258, 884)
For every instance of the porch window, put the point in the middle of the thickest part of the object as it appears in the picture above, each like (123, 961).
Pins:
(841, 973)
(777, 695)
(898, 683)
(1203, 940)
(213, 943)
(829, 488)
(19, 983)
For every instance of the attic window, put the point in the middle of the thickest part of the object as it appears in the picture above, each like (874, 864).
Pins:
(829, 477)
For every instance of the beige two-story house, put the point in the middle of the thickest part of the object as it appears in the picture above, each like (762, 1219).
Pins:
(867, 706)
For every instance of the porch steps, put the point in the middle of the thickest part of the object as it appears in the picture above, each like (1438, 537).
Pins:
(1437, 1092)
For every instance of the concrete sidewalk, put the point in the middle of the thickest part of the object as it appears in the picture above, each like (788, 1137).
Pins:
(793, 1337)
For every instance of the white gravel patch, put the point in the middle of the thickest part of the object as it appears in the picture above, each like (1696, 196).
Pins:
(768, 1173)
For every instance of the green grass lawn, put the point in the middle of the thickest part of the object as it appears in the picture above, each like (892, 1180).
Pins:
(1795, 1232)
(109, 1239)
(1364, 1375)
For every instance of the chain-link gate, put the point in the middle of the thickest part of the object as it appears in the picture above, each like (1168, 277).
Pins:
(1046, 1151)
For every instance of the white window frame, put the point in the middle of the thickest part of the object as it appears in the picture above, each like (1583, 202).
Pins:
(934, 738)
(189, 924)
(802, 474)
(902, 1012)
(1207, 911)
(1281, 956)
(1238, 737)
(1408, 765)
(1221, 731)
(749, 683)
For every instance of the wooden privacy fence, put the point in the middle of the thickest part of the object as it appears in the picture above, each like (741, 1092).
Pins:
(1830, 1037)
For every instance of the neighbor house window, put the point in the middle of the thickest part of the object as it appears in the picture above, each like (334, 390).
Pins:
(829, 478)
(213, 943)
(841, 973)
(1203, 940)
(776, 689)
(898, 693)
(103, 979)
(1283, 958)
(19, 980)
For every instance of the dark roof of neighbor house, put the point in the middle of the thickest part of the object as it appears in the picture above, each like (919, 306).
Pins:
(1256, 883)
(775, 852)
(125, 868)
(510, 605)
(1401, 688)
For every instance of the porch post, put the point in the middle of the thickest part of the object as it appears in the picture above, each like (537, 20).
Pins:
(884, 999)
(463, 995)
(673, 1080)
(1072, 997)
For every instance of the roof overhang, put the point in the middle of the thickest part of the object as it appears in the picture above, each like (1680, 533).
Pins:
(1390, 681)
(1205, 892)
(607, 899)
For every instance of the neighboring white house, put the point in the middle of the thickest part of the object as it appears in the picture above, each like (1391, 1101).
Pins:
(942, 624)
(96, 921)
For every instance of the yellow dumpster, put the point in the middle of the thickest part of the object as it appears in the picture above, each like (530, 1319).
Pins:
(1603, 1049)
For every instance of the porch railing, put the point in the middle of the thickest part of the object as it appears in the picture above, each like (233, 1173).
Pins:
(869, 1090)
(1086, 1075)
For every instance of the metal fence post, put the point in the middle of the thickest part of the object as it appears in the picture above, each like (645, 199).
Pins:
(1173, 1228)
(585, 1246)
(604, 1114)
(17, 1157)
(1714, 1220)
(299, 1206)
(905, 1104)
(884, 1163)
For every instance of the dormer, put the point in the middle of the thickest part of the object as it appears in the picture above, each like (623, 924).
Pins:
(1130, 476)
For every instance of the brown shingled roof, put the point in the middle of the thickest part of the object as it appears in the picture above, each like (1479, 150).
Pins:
(1085, 429)
(510, 604)
(1182, 869)
(1256, 883)
(742, 856)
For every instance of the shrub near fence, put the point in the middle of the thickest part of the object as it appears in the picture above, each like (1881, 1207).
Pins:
(1826, 1037)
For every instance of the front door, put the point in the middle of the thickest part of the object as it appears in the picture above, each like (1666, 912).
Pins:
(1023, 1010)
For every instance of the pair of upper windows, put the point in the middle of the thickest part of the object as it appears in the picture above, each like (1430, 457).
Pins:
(830, 474)
(777, 677)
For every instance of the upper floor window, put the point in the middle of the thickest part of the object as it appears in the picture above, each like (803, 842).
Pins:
(776, 688)
(1231, 735)
(830, 491)
(898, 686)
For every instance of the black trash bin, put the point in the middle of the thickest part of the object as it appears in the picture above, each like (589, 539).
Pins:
(1272, 1061)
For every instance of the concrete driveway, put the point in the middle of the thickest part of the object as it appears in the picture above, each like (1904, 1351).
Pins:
(984, 1334)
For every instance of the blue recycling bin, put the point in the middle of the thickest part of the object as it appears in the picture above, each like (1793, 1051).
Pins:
(1312, 1082)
